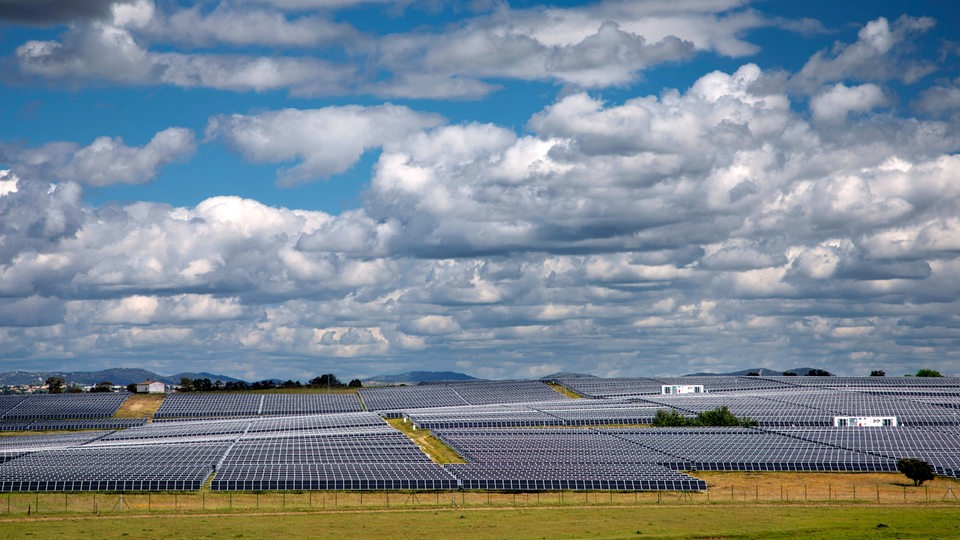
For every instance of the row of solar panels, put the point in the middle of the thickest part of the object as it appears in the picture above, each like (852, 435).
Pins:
(774, 408)
(63, 406)
(596, 387)
(941, 395)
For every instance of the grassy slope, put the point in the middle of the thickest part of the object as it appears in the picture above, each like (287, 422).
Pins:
(432, 446)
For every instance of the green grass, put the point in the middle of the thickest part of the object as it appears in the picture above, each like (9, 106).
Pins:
(706, 521)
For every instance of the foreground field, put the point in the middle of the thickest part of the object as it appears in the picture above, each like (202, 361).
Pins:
(700, 521)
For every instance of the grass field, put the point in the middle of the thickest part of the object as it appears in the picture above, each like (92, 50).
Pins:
(699, 521)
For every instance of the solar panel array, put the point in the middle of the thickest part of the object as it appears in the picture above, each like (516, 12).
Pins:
(524, 443)
(216, 405)
(598, 388)
(555, 459)
(556, 413)
(60, 406)
(395, 398)
(68, 424)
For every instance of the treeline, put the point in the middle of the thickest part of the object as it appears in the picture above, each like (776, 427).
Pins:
(327, 380)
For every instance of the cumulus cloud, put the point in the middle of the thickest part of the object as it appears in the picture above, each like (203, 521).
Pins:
(939, 100)
(877, 55)
(106, 161)
(231, 24)
(836, 102)
(102, 51)
(327, 141)
(593, 46)
(720, 225)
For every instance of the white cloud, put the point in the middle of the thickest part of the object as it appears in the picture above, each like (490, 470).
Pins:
(235, 25)
(106, 161)
(327, 141)
(875, 56)
(833, 104)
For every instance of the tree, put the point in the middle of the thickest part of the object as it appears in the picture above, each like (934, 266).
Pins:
(789, 374)
(105, 386)
(132, 388)
(355, 383)
(878, 373)
(915, 469)
(753, 374)
(186, 384)
(55, 385)
(327, 380)
(818, 373)
(75, 389)
(722, 416)
(928, 373)
(670, 418)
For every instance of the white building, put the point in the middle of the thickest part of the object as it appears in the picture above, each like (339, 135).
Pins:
(865, 421)
(671, 389)
(151, 387)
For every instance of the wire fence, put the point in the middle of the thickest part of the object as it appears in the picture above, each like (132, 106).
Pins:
(48, 503)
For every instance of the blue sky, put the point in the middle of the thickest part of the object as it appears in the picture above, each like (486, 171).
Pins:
(280, 188)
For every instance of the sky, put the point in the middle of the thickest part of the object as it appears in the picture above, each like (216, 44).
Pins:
(285, 188)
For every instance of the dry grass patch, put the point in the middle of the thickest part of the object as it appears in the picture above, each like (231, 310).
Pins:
(564, 391)
(140, 406)
(432, 446)
(860, 487)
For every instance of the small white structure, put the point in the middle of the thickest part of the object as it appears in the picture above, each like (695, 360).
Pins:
(865, 421)
(671, 389)
(151, 387)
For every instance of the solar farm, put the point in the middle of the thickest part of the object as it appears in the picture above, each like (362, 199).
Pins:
(519, 436)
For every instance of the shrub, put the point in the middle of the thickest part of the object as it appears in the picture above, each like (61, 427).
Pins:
(719, 417)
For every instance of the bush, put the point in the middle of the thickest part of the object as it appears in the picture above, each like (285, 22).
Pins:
(928, 373)
(719, 417)
(915, 469)
(670, 418)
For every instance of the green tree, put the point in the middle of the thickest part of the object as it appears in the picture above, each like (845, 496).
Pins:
(186, 384)
(105, 386)
(670, 418)
(928, 373)
(55, 385)
(915, 469)
(818, 373)
(722, 416)
(878, 373)
(132, 388)
(355, 383)
(327, 380)
(789, 374)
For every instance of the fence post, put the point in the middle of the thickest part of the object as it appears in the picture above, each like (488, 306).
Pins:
(878, 492)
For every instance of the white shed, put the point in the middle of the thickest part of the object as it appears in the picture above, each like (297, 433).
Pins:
(670, 389)
(151, 387)
(865, 421)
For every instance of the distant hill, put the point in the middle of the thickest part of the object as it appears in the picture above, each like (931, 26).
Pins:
(766, 372)
(415, 377)
(118, 376)
(567, 375)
